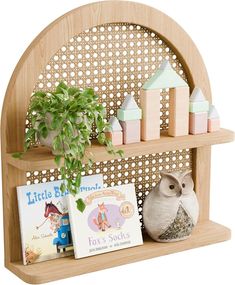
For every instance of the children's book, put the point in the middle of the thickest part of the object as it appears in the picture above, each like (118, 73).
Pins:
(44, 219)
(109, 222)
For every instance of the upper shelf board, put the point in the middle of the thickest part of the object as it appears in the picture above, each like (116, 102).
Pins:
(41, 158)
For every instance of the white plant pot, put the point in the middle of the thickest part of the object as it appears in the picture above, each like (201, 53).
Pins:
(48, 140)
(50, 137)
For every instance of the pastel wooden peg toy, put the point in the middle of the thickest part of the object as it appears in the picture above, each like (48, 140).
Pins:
(178, 115)
(115, 134)
(150, 105)
(198, 102)
(198, 123)
(131, 131)
(129, 115)
(129, 110)
(213, 120)
(164, 77)
(198, 108)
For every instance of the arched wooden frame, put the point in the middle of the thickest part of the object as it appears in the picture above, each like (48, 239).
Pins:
(35, 59)
(60, 31)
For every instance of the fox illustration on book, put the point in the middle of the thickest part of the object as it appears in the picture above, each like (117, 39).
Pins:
(102, 221)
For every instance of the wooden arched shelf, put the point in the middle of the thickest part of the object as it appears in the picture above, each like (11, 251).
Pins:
(14, 113)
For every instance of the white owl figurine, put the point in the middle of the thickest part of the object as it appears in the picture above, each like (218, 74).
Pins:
(171, 210)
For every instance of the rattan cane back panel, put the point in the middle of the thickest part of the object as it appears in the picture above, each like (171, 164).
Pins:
(144, 171)
(115, 60)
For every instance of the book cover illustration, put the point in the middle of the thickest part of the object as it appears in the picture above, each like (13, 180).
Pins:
(109, 222)
(44, 219)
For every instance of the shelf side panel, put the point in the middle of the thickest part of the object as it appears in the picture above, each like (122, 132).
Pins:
(12, 238)
(201, 177)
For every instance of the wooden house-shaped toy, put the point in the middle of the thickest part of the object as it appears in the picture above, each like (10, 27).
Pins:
(198, 108)
(129, 116)
(213, 120)
(115, 132)
(164, 77)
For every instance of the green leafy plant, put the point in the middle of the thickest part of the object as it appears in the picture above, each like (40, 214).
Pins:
(68, 116)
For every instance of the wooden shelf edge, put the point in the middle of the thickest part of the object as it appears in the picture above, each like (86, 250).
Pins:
(205, 233)
(41, 158)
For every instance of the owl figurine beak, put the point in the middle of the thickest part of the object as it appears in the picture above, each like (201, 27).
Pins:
(179, 193)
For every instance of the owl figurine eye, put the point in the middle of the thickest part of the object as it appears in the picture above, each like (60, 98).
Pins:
(168, 185)
(183, 185)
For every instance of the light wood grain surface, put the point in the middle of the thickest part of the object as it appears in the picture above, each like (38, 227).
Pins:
(201, 177)
(41, 158)
(204, 234)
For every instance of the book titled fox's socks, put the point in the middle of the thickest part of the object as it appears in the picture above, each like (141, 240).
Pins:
(109, 222)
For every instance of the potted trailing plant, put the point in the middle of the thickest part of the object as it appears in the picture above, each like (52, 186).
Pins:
(64, 120)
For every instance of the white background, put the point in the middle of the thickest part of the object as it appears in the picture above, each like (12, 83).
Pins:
(211, 26)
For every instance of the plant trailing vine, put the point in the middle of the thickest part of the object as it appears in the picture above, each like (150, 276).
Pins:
(68, 115)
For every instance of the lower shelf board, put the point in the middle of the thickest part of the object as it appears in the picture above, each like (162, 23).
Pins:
(205, 233)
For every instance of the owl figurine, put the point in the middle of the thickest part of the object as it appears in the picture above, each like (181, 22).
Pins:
(171, 210)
